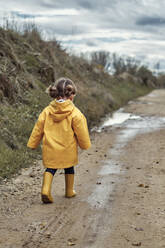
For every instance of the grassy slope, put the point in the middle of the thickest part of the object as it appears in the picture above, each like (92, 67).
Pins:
(28, 66)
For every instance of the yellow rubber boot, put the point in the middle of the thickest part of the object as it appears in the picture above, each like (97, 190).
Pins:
(69, 182)
(46, 188)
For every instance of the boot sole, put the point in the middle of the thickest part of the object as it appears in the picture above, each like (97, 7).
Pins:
(45, 199)
(70, 196)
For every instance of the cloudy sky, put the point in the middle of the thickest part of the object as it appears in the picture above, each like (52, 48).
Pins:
(131, 27)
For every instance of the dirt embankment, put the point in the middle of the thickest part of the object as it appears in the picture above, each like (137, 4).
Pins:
(120, 194)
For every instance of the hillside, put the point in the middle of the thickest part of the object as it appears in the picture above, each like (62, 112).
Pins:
(27, 66)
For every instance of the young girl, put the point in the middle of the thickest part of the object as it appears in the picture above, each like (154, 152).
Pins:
(62, 127)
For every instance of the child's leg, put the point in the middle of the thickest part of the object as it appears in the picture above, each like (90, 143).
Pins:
(50, 170)
(46, 186)
(69, 170)
(69, 182)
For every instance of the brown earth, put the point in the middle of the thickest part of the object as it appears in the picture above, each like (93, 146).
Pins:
(120, 200)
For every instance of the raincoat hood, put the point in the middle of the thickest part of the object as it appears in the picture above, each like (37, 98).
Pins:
(60, 110)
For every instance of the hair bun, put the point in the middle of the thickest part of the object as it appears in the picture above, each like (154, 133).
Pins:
(52, 91)
(69, 87)
(68, 90)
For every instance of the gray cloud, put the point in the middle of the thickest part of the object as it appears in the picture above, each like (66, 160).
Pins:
(79, 4)
(24, 16)
(86, 4)
(152, 21)
(65, 30)
(91, 43)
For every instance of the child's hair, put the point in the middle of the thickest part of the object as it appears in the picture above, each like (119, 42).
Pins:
(63, 87)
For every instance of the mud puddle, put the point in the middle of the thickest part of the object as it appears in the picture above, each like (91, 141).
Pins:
(129, 126)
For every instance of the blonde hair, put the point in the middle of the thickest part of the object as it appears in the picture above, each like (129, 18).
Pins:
(63, 87)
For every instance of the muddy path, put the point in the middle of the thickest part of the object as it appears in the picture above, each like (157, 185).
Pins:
(120, 188)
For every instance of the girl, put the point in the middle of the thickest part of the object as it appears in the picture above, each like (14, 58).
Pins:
(62, 127)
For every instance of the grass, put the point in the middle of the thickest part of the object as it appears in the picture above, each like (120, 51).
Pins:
(15, 129)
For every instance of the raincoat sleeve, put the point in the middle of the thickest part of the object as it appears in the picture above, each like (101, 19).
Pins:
(81, 131)
(37, 132)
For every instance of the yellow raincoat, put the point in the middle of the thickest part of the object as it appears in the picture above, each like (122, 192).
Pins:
(62, 127)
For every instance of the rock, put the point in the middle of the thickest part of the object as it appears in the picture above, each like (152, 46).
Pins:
(139, 229)
(18, 180)
(32, 174)
(72, 242)
(48, 235)
(137, 244)
(141, 185)
(27, 172)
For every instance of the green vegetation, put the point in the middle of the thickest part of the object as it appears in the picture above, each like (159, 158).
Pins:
(28, 66)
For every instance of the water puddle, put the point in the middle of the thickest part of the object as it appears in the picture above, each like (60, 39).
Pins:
(111, 170)
(117, 117)
(109, 174)
(153, 94)
(143, 125)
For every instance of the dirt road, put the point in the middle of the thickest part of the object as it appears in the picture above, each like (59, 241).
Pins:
(120, 186)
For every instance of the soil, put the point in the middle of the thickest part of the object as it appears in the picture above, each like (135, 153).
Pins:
(120, 201)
